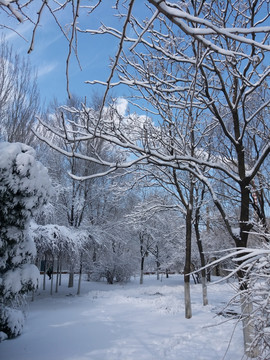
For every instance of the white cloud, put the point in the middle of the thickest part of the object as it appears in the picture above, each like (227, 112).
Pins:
(23, 31)
(121, 106)
(46, 68)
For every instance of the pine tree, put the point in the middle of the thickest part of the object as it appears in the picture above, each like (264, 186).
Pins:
(24, 188)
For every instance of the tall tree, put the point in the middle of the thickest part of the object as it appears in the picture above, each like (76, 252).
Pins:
(24, 188)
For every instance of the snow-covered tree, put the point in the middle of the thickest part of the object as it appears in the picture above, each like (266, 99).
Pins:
(158, 228)
(24, 189)
(115, 261)
(114, 256)
(57, 245)
(19, 96)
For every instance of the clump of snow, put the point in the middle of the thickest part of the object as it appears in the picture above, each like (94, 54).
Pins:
(12, 321)
(3, 336)
(22, 278)
(25, 178)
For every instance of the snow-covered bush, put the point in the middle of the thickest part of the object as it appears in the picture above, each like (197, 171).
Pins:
(24, 189)
(12, 321)
(115, 262)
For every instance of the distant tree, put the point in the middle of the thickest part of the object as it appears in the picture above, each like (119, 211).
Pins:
(24, 188)
(115, 262)
(146, 244)
(158, 229)
(19, 96)
(114, 256)
(57, 245)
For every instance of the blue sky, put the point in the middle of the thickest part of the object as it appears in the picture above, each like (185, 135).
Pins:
(51, 49)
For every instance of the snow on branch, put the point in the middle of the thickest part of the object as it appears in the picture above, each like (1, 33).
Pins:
(15, 12)
(177, 16)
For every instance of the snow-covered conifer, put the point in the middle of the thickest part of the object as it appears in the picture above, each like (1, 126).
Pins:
(24, 188)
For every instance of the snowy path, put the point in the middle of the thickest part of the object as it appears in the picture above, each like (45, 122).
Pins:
(125, 322)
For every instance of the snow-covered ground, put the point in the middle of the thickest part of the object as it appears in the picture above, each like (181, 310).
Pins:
(127, 322)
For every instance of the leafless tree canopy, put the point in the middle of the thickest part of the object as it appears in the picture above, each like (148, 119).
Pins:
(19, 96)
(199, 69)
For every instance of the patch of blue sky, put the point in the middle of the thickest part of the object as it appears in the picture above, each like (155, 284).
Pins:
(51, 50)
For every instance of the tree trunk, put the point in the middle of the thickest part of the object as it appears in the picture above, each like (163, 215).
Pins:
(80, 279)
(188, 311)
(142, 267)
(51, 292)
(158, 269)
(57, 275)
(246, 302)
(187, 268)
(109, 277)
(202, 257)
(60, 273)
(71, 278)
(44, 275)
(248, 329)
(244, 224)
(204, 291)
(157, 261)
